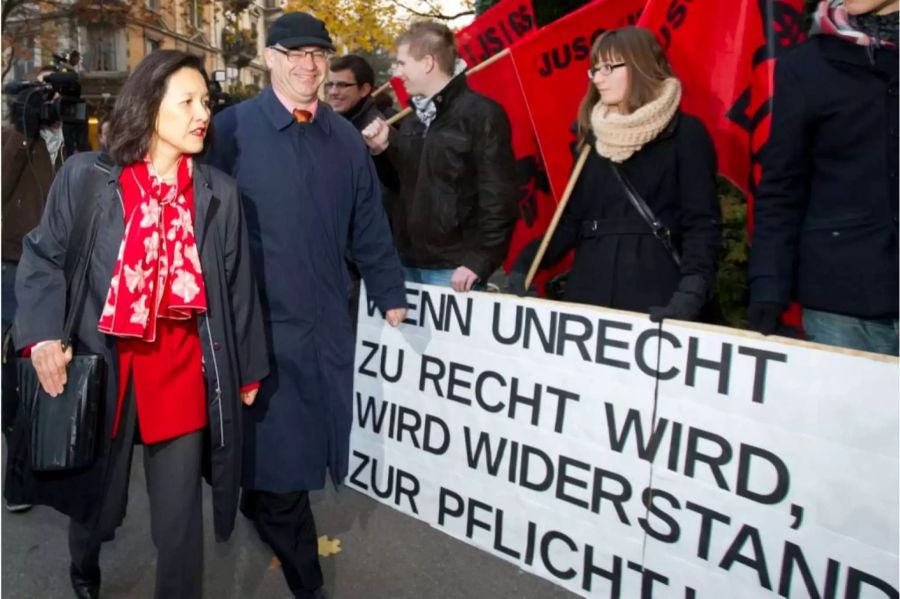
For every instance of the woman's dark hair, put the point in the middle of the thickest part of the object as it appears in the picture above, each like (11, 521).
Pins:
(132, 121)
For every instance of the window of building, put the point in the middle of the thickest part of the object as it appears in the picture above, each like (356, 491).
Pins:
(153, 4)
(194, 14)
(152, 45)
(101, 52)
(24, 63)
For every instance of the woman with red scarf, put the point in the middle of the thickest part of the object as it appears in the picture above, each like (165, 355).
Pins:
(172, 306)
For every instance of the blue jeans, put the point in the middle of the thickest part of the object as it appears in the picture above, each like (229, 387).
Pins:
(878, 335)
(435, 276)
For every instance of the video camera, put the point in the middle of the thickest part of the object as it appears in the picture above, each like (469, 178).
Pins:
(218, 99)
(56, 98)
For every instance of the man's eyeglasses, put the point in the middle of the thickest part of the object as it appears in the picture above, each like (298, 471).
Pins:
(340, 85)
(297, 56)
(604, 69)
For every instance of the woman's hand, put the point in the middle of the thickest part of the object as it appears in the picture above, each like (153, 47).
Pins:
(50, 361)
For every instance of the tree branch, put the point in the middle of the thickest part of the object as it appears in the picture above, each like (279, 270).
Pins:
(11, 59)
(435, 13)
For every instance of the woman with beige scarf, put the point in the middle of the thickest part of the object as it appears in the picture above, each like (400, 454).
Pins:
(641, 140)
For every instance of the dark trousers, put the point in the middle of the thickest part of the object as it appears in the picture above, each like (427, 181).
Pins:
(285, 522)
(172, 471)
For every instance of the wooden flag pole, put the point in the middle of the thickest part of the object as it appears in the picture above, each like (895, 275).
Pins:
(382, 88)
(405, 112)
(408, 110)
(573, 178)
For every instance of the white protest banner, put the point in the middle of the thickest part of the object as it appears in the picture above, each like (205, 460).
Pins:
(618, 457)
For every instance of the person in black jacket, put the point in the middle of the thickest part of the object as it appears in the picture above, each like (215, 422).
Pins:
(826, 209)
(631, 116)
(457, 203)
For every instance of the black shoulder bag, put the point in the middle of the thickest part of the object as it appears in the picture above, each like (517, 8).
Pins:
(62, 430)
(660, 231)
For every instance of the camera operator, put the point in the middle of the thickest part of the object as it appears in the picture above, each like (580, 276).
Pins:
(33, 152)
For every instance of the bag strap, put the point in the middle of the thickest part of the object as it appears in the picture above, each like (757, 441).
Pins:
(660, 231)
(83, 236)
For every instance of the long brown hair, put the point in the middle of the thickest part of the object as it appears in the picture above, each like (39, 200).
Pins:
(647, 64)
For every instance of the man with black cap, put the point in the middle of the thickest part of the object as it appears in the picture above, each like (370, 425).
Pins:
(311, 197)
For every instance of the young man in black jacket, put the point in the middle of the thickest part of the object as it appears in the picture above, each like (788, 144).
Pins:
(826, 209)
(457, 206)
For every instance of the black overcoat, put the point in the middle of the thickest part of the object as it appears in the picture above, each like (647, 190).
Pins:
(231, 331)
(825, 216)
(618, 262)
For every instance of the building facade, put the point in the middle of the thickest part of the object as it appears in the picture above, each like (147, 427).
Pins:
(112, 36)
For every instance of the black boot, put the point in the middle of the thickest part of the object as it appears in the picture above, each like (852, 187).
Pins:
(85, 585)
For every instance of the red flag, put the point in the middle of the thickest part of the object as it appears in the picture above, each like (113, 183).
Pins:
(495, 30)
(498, 81)
(400, 92)
(724, 53)
(552, 67)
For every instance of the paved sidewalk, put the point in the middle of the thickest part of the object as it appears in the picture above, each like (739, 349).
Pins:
(384, 554)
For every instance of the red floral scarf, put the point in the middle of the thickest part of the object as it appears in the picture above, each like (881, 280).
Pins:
(157, 273)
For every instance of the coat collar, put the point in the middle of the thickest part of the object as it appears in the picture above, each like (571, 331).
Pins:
(361, 114)
(454, 88)
(281, 119)
(874, 58)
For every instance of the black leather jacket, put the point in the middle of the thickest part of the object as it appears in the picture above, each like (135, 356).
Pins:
(456, 203)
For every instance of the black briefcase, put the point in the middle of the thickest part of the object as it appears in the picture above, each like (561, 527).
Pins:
(62, 430)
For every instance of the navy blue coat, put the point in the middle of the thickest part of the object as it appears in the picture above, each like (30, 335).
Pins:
(825, 215)
(310, 195)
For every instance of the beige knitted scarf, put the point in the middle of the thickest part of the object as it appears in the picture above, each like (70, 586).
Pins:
(621, 135)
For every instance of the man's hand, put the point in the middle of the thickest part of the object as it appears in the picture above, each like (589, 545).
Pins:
(395, 316)
(248, 397)
(463, 279)
(50, 363)
(376, 136)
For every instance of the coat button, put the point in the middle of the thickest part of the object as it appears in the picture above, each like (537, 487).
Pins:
(217, 346)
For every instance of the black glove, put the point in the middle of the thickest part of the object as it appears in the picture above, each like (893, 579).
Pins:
(515, 283)
(765, 317)
(687, 301)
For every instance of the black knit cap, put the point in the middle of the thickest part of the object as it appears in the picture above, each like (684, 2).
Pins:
(296, 29)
